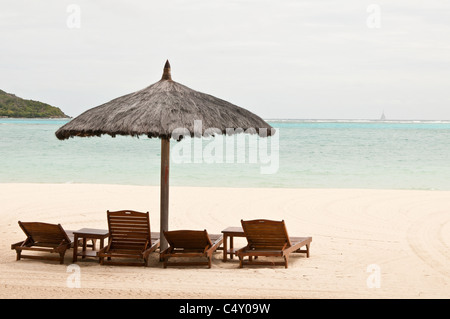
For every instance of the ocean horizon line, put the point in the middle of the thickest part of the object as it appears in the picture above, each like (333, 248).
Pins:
(290, 120)
(355, 120)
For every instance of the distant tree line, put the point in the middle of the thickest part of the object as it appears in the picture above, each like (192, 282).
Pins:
(13, 106)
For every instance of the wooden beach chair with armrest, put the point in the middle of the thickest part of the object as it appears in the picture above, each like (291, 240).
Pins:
(43, 237)
(129, 238)
(190, 243)
(270, 238)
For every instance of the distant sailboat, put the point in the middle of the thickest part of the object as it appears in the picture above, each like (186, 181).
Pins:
(383, 117)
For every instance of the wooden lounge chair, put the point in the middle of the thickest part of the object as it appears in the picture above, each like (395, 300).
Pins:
(270, 239)
(190, 243)
(43, 237)
(129, 237)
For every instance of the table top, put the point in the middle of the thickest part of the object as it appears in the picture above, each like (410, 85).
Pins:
(233, 231)
(92, 232)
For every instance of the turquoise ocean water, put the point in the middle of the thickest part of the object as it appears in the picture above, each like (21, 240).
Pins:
(305, 154)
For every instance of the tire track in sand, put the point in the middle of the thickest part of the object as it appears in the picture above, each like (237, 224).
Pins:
(426, 239)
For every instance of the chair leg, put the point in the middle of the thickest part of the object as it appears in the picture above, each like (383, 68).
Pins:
(61, 257)
(19, 254)
(286, 260)
(307, 251)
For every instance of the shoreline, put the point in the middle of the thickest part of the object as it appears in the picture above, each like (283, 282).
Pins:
(233, 187)
(406, 233)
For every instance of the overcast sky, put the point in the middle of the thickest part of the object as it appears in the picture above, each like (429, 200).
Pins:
(313, 59)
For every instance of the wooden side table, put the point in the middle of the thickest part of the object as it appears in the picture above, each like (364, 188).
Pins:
(85, 234)
(230, 232)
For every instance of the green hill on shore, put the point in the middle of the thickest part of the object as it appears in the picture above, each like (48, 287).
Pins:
(13, 106)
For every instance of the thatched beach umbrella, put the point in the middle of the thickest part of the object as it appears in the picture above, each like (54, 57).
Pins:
(157, 111)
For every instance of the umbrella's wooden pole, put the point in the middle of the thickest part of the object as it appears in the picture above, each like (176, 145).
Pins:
(164, 218)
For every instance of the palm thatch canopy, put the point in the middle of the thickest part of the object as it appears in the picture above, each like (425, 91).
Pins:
(158, 110)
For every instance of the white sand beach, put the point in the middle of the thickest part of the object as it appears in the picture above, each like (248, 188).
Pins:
(403, 234)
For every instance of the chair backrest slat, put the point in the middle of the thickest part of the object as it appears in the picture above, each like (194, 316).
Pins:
(128, 229)
(266, 234)
(44, 233)
(188, 239)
